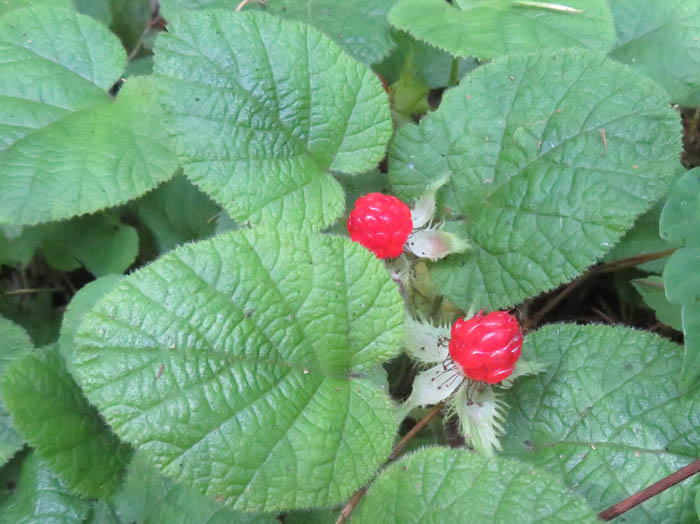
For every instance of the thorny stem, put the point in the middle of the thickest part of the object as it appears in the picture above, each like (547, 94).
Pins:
(150, 24)
(398, 448)
(656, 488)
(616, 265)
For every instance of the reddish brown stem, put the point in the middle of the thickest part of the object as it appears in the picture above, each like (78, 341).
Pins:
(616, 265)
(398, 448)
(656, 488)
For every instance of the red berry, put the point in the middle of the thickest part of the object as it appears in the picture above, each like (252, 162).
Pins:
(381, 223)
(486, 347)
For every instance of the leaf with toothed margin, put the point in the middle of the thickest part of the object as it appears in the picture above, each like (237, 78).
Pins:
(608, 416)
(439, 485)
(41, 498)
(533, 185)
(244, 366)
(49, 410)
(490, 28)
(14, 342)
(360, 27)
(66, 147)
(264, 109)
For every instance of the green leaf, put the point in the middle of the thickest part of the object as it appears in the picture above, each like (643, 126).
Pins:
(533, 186)
(82, 302)
(489, 28)
(681, 276)
(66, 147)
(9, 5)
(98, 9)
(439, 484)
(680, 217)
(18, 244)
(259, 126)
(608, 416)
(429, 65)
(690, 314)
(239, 365)
(14, 342)
(50, 411)
(100, 243)
(654, 295)
(661, 40)
(177, 212)
(148, 498)
(41, 498)
(643, 238)
(361, 27)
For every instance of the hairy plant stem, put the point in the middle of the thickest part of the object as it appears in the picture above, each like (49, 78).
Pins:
(398, 448)
(616, 265)
(656, 488)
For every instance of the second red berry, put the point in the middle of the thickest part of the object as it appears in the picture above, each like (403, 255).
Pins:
(381, 223)
(486, 347)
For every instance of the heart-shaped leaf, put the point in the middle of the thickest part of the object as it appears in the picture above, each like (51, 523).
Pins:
(439, 484)
(260, 125)
(489, 28)
(66, 147)
(543, 176)
(608, 416)
(242, 366)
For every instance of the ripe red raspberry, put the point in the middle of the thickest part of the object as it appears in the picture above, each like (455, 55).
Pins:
(381, 223)
(486, 347)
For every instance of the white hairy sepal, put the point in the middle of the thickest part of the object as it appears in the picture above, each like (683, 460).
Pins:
(435, 244)
(431, 387)
(424, 342)
(424, 208)
(481, 415)
(522, 368)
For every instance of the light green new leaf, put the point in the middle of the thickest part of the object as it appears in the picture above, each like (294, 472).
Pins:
(49, 410)
(177, 212)
(149, 498)
(41, 498)
(101, 243)
(654, 295)
(66, 147)
(533, 184)
(360, 27)
(680, 217)
(444, 485)
(608, 416)
(240, 366)
(489, 28)
(661, 40)
(263, 109)
(14, 342)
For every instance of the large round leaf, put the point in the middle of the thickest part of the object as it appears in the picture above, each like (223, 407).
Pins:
(263, 109)
(608, 416)
(544, 175)
(66, 147)
(488, 28)
(442, 485)
(360, 27)
(241, 365)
